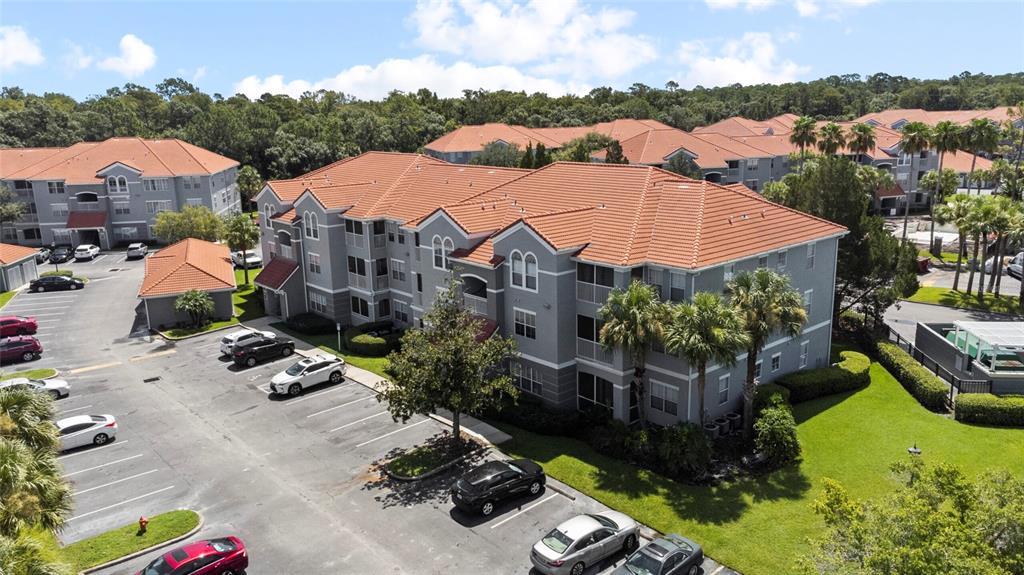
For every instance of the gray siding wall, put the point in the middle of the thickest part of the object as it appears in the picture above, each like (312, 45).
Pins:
(162, 313)
(17, 274)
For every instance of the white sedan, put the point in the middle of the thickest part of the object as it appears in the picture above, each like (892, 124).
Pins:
(307, 373)
(82, 430)
(57, 388)
(86, 252)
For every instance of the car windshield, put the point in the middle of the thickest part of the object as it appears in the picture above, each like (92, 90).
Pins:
(557, 541)
(643, 564)
(605, 521)
(222, 545)
(514, 468)
(296, 368)
(158, 567)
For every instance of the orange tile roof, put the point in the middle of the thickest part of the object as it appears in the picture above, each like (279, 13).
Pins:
(962, 117)
(188, 264)
(79, 163)
(13, 160)
(286, 216)
(10, 253)
(474, 138)
(961, 162)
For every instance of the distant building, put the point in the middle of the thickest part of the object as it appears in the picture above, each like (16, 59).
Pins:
(17, 266)
(896, 119)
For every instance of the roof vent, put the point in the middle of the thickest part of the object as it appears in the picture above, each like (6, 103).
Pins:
(522, 210)
(490, 171)
(446, 180)
(764, 214)
(513, 202)
(471, 184)
(600, 206)
(743, 217)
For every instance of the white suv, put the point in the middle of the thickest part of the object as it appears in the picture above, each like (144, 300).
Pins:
(242, 337)
(307, 373)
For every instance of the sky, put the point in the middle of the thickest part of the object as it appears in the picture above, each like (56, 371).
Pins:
(367, 49)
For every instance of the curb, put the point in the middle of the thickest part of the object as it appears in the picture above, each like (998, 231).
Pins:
(142, 552)
(965, 309)
(465, 430)
(202, 333)
(432, 472)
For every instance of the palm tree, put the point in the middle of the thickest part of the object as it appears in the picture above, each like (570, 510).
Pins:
(634, 319)
(768, 305)
(1016, 233)
(913, 141)
(831, 138)
(979, 136)
(945, 140)
(803, 135)
(958, 210)
(33, 493)
(708, 329)
(981, 215)
(26, 555)
(1003, 209)
(862, 138)
(27, 416)
(242, 235)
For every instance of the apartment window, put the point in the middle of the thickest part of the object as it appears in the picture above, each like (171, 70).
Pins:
(752, 184)
(593, 391)
(55, 187)
(588, 328)
(59, 210)
(811, 248)
(314, 262)
(419, 283)
(804, 347)
(438, 248)
(360, 307)
(158, 206)
(157, 185)
(808, 298)
(401, 238)
(111, 185)
(311, 225)
(757, 369)
(752, 164)
(10, 234)
(318, 302)
(384, 308)
(677, 292)
(354, 227)
(903, 160)
(664, 398)
(64, 236)
(526, 378)
(597, 275)
(723, 389)
(525, 323)
(449, 247)
(356, 266)
(124, 233)
(762, 262)
(733, 164)
(776, 362)
(391, 232)
(398, 270)
(122, 208)
(33, 234)
(267, 214)
(653, 277)
(401, 311)
(728, 272)
(381, 267)
(524, 270)
(783, 256)
(22, 185)
(924, 154)
(190, 182)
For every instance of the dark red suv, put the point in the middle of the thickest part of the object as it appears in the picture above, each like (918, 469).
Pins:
(17, 325)
(20, 348)
(224, 556)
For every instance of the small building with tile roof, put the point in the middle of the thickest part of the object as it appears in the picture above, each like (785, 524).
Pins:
(187, 265)
(17, 266)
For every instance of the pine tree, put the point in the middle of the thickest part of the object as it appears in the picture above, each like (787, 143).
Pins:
(614, 155)
(527, 161)
(541, 157)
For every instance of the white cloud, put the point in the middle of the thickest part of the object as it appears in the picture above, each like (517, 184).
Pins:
(136, 57)
(76, 58)
(806, 7)
(18, 49)
(835, 8)
(730, 4)
(409, 75)
(199, 74)
(751, 59)
(552, 37)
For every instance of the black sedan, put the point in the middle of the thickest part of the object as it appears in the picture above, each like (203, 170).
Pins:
(671, 554)
(55, 283)
(480, 489)
(61, 254)
(261, 350)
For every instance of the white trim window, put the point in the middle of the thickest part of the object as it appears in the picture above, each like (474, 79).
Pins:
(360, 307)
(808, 300)
(527, 378)
(729, 270)
(592, 390)
(783, 258)
(762, 262)
(677, 291)
(400, 311)
(757, 369)
(664, 397)
(310, 224)
(449, 247)
(525, 323)
(811, 248)
(55, 187)
(397, 270)
(191, 182)
(111, 185)
(267, 214)
(437, 246)
(776, 362)
(723, 389)
(317, 301)
(59, 210)
(517, 269)
(157, 206)
(122, 208)
(314, 262)
(531, 271)
(154, 184)
(804, 349)
(194, 202)
(524, 270)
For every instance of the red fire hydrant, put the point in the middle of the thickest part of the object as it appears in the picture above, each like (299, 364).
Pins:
(143, 522)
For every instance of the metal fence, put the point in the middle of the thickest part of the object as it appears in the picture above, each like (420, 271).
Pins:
(956, 384)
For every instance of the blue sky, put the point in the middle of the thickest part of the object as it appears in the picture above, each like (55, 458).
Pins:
(556, 46)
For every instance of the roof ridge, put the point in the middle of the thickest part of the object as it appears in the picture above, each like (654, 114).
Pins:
(191, 155)
(637, 215)
(415, 161)
(699, 223)
(560, 212)
(159, 159)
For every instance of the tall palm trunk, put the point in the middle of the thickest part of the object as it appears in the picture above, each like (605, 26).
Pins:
(970, 175)
(702, 378)
(970, 278)
(961, 247)
(981, 264)
(457, 427)
(906, 203)
(931, 206)
(639, 367)
(1000, 254)
(749, 390)
(995, 263)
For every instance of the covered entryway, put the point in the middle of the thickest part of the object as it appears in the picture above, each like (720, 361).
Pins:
(89, 228)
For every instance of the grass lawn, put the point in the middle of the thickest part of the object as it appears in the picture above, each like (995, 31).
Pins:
(6, 297)
(947, 257)
(760, 526)
(944, 296)
(247, 307)
(126, 540)
(329, 343)
(44, 373)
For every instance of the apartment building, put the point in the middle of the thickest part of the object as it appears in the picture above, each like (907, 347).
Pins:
(897, 118)
(109, 193)
(537, 253)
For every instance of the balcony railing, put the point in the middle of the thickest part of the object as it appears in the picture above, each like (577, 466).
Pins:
(380, 240)
(381, 282)
(474, 304)
(88, 207)
(358, 281)
(286, 252)
(592, 350)
(592, 292)
(355, 240)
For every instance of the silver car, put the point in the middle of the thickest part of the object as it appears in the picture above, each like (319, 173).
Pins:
(137, 250)
(57, 388)
(583, 541)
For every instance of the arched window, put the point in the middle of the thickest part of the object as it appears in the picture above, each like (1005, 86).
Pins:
(449, 247)
(313, 227)
(438, 252)
(531, 271)
(111, 185)
(517, 269)
(122, 184)
(266, 215)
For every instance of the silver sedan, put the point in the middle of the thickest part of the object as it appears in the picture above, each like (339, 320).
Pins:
(583, 541)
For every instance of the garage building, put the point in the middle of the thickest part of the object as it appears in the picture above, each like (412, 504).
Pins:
(17, 266)
(187, 265)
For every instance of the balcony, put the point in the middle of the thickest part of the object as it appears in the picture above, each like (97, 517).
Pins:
(475, 305)
(380, 240)
(355, 240)
(593, 350)
(358, 281)
(417, 298)
(592, 292)
(381, 282)
(88, 207)
(286, 252)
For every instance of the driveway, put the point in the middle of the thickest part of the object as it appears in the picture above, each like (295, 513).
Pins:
(904, 316)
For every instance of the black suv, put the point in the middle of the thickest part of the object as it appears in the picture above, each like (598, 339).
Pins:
(61, 254)
(55, 283)
(478, 490)
(262, 349)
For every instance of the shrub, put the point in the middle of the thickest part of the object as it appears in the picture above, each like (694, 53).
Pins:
(768, 394)
(849, 374)
(925, 386)
(989, 409)
(611, 439)
(684, 451)
(529, 414)
(311, 324)
(359, 341)
(775, 435)
(68, 273)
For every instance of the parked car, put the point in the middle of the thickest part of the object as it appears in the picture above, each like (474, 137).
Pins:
(242, 337)
(61, 254)
(55, 283)
(57, 388)
(480, 489)
(86, 252)
(17, 325)
(307, 373)
(223, 556)
(137, 250)
(82, 430)
(582, 541)
(671, 554)
(20, 348)
(42, 255)
(1016, 267)
(262, 349)
(252, 259)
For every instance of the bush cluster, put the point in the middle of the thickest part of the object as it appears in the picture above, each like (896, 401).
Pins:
(311, 324)
(67, 273)
(925, 386)
(359, 341)
(768, 394)
(849, 374)
(988, 409)
(775, 435)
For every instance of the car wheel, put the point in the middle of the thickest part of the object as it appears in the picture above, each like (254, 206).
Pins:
(630, 544)
(336, 377)
(40, 289)
(535, 488)
(28, 356)
(577, 569)
(251, 362)
(294, 389)
(227, 572)
(694, 570)
(286, 351)
(487, 508)
(73, 287)
(54, 394)
(100, 439)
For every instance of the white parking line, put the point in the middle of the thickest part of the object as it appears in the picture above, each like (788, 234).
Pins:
(393, 432)
(104, 465)
(116, 482)
(265, 388)
(717, 571)
(34, 306)
(319, 393)
(69, 456)
(51, 297)
(329, 409)
(94, 367)
(523, 510)
(75, 409)
(48, 314)
(359, 421)
(126, 501)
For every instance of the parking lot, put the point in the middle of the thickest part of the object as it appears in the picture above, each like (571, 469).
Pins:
(295, 478)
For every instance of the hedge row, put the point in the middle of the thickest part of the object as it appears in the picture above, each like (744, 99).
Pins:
(925, 386)
(989, 409)
(360, 342)
(849, 374)
(768, 394)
